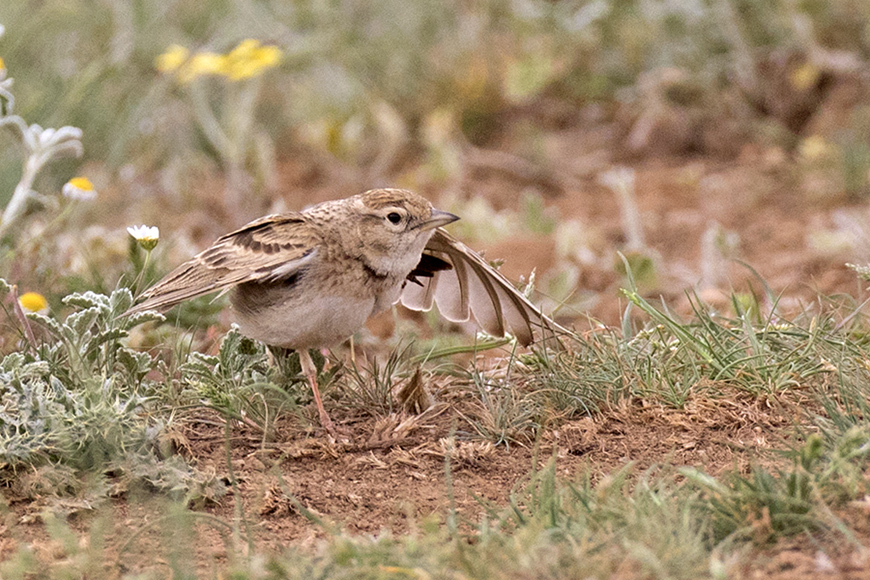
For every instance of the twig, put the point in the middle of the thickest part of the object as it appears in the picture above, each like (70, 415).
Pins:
(22, 318)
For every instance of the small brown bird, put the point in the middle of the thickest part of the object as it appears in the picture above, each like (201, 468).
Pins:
(311, 279)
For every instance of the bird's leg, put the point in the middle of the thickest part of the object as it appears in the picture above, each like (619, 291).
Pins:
(310, 372)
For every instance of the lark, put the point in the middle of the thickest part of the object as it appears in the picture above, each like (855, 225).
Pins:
(311, 279)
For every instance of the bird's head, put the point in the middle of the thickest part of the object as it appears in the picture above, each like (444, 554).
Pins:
(393, 226)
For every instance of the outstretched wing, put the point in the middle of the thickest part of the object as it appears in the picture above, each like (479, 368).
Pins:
(463, 284)
(269, 249)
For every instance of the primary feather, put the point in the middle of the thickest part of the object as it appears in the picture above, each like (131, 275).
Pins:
(471, 288)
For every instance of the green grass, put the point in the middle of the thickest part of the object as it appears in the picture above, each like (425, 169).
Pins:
(665, 522)
(662, 523)
(360, 96)
(88, 413)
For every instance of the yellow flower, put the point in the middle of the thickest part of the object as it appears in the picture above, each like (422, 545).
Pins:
(33, 302)
(187, 67)
(805, 76)
(79, 188)
(2, 64)
(146, 236)
(816, 147)
(202, 63)
(172, 59)
(250, 59)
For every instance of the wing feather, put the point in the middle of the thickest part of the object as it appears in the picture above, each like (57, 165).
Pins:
(473, 288)
(269, 249)
(419, 292)
(452, 295)
(485, 302)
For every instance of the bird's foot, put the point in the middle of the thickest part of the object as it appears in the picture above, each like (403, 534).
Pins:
(340, 435)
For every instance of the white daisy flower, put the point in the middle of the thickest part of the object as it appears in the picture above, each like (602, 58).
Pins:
(147, 236)
(80, 189)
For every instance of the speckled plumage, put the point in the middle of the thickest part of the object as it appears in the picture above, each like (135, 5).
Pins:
(311, 279)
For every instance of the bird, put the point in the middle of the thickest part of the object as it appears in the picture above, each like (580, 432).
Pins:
(310, 279)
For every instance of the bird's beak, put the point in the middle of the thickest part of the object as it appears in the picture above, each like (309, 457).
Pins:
(437, 219)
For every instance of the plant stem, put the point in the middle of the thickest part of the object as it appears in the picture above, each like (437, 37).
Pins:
(16, 206)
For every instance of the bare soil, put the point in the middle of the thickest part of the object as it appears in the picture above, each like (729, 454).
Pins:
(391, 477)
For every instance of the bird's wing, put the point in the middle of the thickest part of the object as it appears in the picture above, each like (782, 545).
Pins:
(269, 249)
(463, 284)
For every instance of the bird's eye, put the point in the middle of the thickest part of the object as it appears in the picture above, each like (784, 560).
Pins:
(394, 217)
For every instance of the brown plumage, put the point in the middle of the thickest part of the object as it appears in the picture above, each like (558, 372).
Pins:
(311, 279)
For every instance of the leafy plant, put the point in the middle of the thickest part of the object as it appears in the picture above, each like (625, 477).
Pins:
(79, 402)
(239, 382)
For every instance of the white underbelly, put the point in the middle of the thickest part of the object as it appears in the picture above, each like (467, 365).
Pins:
(322, 322)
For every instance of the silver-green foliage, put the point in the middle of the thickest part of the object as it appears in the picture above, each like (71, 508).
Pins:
(240, 382)
(79, 398)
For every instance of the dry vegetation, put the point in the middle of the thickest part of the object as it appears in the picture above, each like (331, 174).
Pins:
(682, 183)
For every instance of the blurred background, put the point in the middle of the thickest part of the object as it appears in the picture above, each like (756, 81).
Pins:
(720, 145)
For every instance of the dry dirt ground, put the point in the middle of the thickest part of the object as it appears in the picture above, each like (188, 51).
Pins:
(382, 480)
